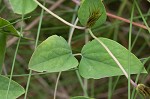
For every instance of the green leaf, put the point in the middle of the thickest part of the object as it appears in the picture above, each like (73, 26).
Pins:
(53, 55)
(7, 28)
(23, 6)
(92, 13)
(81, 97)
(15, 90)
(97, 63)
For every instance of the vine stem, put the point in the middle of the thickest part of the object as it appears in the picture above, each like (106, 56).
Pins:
(36, 44)
(71, 32)
(69, 43)
(59, 18)
(56, 86)
(58, 77)
(15, 55)
(129, 47)
(86, 41)
(81, 83)
(77, 72)
(2, 50)
(140, 12)
(113, 57)
(13, 65)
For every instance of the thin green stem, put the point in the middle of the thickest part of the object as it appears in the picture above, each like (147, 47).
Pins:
(86, 41)
(73, 17)
(129, 48)
(69, 42)
(14, 59)
(28, 82)
(34, 74)
(142, 16)
(81, 83)
(115, 84)
(141, 48)
(138, 33)
(13, 65)
(36, 44)
(136, 38)
(2, 50)
(121, 8)
(56, 85)
(113, 57)
(134, 90)
(110, 88)
(92, 87)
(71, 32)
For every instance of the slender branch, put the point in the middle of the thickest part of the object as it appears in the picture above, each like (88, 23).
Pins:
(36, 44)
(140, 12)
(77, 72)
(71, 32)
(56, 86)
(69, 42)
(59, 18)
(16, 51)
(86, 41)
(81, 83)
(2, 50)
(129, 48)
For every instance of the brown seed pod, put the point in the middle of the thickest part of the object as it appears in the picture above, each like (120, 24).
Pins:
(143, 90)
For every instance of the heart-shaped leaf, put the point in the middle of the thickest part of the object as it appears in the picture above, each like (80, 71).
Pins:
(23, 6)
(97, 63)
(15, 89)
(92, 13)
(53, 55)
(7, 28)
(81, 97)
